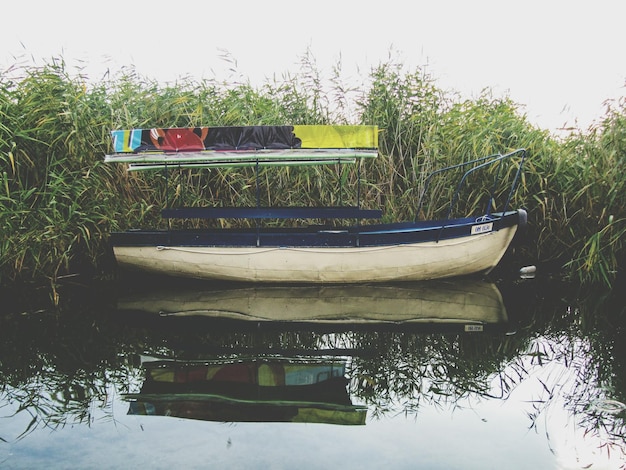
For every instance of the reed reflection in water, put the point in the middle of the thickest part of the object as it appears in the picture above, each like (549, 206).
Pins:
(402, 358)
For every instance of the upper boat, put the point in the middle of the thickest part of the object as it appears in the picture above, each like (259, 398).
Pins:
(330, 252)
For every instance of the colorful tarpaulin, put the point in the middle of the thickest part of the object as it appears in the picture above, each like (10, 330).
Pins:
(153, 148)
(244, 138)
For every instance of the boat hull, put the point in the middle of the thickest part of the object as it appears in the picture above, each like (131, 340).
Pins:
(464, 252)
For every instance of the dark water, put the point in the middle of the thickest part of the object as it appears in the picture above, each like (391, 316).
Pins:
(518, 374)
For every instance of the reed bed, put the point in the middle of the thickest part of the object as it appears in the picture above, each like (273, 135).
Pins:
(59, 200)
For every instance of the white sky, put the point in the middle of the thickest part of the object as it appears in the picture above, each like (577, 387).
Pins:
(559, 59)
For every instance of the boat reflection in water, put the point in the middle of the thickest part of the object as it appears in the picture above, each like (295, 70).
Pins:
(279, 386)
(467, 304)
(305, 390)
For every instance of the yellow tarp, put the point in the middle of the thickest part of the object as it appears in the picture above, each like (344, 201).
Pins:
(337, 136)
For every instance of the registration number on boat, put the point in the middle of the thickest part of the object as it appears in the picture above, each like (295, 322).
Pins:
(482, 228)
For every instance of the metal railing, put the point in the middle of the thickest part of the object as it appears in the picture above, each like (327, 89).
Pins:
(479, 164)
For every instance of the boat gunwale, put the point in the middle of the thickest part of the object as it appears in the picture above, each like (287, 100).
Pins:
(503, 219)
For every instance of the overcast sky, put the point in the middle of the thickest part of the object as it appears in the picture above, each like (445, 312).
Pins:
(559, 59)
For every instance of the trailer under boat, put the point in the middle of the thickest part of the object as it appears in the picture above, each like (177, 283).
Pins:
(328, 253)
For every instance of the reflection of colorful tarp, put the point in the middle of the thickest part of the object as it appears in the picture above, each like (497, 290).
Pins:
(249, 390)
(266, 374)
(244, 138)
(291, 380)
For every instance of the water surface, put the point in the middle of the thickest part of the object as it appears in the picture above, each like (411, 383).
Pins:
(522, 374)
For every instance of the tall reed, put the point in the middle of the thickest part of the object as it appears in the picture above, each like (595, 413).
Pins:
(592, 188)
(59, 200)
(53, 136)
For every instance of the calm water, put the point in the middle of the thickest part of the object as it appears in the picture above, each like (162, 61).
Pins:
(522, 374)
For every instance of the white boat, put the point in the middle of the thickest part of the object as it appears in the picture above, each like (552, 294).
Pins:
(356, 253)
